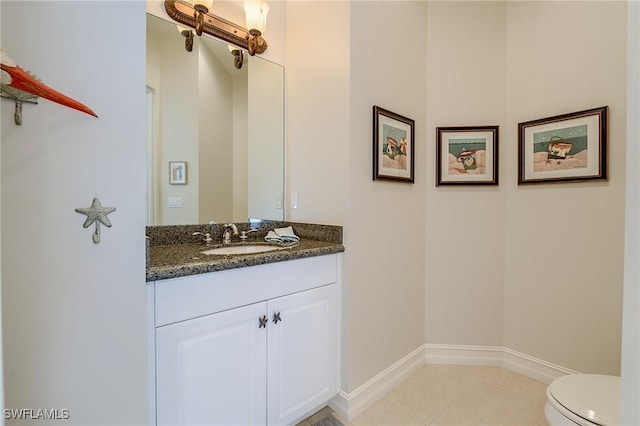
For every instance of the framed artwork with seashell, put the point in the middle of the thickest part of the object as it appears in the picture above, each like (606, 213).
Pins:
(393, 146)
(564, 148)
(467, 155)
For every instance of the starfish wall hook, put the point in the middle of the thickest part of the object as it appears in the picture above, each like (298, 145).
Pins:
(96, 214)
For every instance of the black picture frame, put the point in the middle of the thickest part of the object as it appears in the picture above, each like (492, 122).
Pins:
(564, 148)
(467, 155)
(393, 146)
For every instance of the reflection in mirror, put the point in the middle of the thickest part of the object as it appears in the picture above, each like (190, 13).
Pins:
(225, 124)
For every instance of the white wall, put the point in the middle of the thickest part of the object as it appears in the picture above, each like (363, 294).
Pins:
(317, 86)
(177, 123)
(358, 61)
(215, 138)
(385, 246)
(317, 119)
(466, 72)
(73, 311)
(265, 139)
(481, 69)
(493, 277)
(240, 148)
(563, 286)
(630, 387)
(179, 132)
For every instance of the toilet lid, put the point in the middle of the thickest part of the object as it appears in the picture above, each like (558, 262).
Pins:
(594, 397)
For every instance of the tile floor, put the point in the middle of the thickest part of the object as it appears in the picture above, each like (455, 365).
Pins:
(457, 395)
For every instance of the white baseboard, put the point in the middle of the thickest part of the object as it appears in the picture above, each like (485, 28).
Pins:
(535, 368)
(350, 405)
(529, 366)
(464, 355)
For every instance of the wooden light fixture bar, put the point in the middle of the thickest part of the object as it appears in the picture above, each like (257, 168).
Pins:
(215, 26)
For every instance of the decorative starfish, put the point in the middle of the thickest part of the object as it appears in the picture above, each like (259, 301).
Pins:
(96, 214)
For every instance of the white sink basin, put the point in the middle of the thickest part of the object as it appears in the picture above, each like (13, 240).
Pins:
(243, 249)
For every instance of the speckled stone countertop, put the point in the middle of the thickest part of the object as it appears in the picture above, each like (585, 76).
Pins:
(174, 252)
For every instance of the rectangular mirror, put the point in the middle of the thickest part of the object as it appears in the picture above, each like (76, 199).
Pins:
(223, 126)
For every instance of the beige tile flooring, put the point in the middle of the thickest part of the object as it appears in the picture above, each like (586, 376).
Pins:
(456, 395)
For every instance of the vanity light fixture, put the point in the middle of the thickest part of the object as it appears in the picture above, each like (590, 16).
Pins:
(195, 14)
(238, 56)
(256, 15)
(188, 37)
(200, 8)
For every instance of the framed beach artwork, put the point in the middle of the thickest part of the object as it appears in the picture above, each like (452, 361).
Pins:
(178, 172)
(467, 155)
(393, 146)
(568, 147)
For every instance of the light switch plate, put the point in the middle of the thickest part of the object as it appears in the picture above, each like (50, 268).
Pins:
(175, 202)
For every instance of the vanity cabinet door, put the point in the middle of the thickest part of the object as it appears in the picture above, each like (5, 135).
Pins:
(211, 370)
(302, 357)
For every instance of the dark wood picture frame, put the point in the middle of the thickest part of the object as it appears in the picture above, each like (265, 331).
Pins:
(467, 155)
(564, 148)
(393, 146)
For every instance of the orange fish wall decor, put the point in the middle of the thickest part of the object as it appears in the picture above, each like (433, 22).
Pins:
(15, 79)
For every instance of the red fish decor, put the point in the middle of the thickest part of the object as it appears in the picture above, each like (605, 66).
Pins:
(16, 80)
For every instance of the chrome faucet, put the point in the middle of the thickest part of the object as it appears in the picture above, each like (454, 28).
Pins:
(206, 237)
(244, 235)
(226, 235)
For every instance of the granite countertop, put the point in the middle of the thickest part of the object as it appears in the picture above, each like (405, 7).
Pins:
(172, 252)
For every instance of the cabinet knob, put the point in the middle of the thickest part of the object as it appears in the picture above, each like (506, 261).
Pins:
(276, 317)
(263, 320)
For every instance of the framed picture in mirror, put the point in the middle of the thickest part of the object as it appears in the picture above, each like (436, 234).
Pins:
(178, 172)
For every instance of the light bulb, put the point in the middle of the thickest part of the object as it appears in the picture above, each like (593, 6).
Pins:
(256, 14)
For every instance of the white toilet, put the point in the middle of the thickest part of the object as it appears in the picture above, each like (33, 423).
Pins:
(583, 399)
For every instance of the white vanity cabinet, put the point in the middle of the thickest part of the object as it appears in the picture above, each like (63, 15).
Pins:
(250, 346)
(212, 370)
(301, 353)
